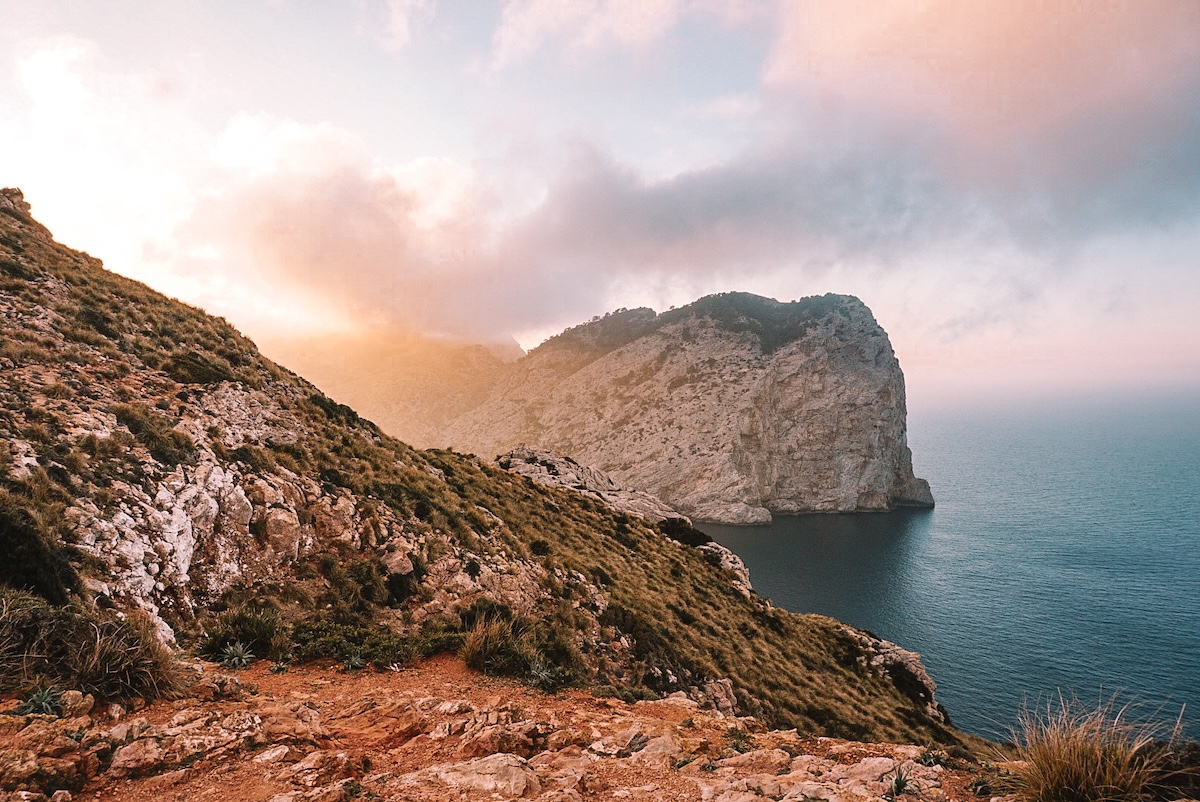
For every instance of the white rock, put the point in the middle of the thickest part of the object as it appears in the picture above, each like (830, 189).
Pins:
(703, 416)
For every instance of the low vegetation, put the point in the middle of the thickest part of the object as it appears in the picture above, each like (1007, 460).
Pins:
(43, 646)
(1070, 753)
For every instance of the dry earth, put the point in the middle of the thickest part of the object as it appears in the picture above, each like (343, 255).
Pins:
(435, 731)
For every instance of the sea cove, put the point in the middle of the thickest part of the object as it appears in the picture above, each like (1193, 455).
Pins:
(1064, 553)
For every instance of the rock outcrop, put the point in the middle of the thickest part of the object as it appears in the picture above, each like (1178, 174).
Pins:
(552, 470)
(730, 409)
(438, 732)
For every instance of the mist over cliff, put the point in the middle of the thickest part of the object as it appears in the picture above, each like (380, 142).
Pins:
(731, 409)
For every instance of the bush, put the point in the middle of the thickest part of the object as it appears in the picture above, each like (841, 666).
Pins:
(679, 529)
(195, 368)
(1070, 754)
(322, 637)
(518, 648)
(43, 701)
(120, 659)
(110, 657)
(30, 562)
(257, 630)
(155, 432)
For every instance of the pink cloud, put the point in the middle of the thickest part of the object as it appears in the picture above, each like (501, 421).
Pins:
(1074, 87)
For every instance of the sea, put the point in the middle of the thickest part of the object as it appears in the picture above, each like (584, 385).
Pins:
(1062, 560)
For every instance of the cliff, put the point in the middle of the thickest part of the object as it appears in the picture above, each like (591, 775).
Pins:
(730, 409)
(155, 467)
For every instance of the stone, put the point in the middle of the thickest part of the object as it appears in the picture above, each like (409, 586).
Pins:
(554, 470)
(511, 738)
(716, 408)
(143, 756)
(868, 770)
(504, 774)
(273, 754)
(660, 752)
(767, 761)
(17, 766)
(76, 704)
(321, 767)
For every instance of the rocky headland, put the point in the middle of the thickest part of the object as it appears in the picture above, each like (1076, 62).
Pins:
(730, 409)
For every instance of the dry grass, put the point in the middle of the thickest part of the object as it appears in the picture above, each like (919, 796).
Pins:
(113, 658)
(1069, 753)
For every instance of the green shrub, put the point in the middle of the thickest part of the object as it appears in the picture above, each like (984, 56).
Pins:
(516, 647)
(195, 368)
(679, 529)
(322, 637)
(257, 459)
(155, 432)
(500, 646)
(236, 655)
(897, 786)
(258, 630)
(43, 701)
(483, 608)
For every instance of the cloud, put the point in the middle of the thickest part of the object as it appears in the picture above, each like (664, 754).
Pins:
(303, 206)
(1064, 96)
(399, 18)
(527, 26)
(958, 169)
(95, 147)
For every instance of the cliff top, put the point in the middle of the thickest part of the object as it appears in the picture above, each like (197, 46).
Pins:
(773, 323)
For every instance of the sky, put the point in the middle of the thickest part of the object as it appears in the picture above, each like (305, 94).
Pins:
(1012, 186)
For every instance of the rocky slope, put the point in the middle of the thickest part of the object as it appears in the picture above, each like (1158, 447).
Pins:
(730, 409)
(552, 470)
(436, 732)
(153, 462)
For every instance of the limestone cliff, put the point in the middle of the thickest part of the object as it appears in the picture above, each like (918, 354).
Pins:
(729, 409)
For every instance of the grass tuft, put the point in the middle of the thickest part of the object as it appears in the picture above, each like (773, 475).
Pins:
(110, 657)
(1071, 754)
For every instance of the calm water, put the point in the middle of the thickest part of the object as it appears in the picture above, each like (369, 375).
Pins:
(1064, 553)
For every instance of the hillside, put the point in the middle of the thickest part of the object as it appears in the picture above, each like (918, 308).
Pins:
(155, 466)
(435, 731)
(730, 409)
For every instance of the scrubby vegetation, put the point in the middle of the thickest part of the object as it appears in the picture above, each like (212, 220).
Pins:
(44, 646)
(771, 323)
(1071, 753)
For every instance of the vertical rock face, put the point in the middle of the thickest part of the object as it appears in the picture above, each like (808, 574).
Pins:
(729, 409)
